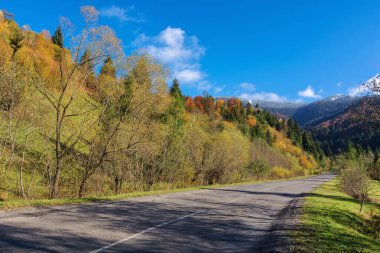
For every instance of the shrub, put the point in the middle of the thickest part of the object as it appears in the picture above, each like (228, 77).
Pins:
(278, 172)
(305, 162)
(355, 181)
(259, 168)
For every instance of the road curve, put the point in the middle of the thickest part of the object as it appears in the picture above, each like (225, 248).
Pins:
(244, 218)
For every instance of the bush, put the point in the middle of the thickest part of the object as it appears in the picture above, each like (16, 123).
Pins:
(278, 172)
(259, 168)
(355, 181)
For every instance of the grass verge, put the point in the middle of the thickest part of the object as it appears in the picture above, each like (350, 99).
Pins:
(331, 222)
(20, 203)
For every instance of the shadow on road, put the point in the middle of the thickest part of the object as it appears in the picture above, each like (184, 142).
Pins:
(221, 225)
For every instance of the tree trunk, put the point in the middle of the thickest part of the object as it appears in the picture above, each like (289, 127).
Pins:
(55, 183)
(82, 186)
(116, 185)
(362, 204)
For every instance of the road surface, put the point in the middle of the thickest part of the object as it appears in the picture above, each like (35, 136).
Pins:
(244, 218)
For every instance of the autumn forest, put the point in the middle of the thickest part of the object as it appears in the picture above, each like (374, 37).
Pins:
(80, 118)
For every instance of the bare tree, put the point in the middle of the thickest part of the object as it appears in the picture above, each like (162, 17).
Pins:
(11, 89)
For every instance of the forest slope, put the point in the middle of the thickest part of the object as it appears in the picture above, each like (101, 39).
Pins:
(87, 120)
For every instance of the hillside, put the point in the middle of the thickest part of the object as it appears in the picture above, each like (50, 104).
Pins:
(313, 113)
(87, 120)
(358, 124)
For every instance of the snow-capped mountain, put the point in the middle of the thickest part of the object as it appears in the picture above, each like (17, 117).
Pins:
(370, 87)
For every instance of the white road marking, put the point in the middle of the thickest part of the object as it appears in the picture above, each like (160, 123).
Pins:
(167, 223)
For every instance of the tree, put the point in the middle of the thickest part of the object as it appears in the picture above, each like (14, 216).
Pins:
(108, 68)
(7, 15)
(249, 108)
(351, 152)
(11, 92)
(259, 168)
(87, 69)
(175, 90)
(16, 40)
(177, 106)
(198, 103)
(189, 104)
(101, 41)
(269, 138)
(57, 37)
(128, 121)
(355, 181)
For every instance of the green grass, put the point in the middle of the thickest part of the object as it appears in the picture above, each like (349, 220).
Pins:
(331, 222)
(20, 203)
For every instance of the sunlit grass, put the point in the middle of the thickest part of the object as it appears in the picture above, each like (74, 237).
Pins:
(19, 203)
(331, 222)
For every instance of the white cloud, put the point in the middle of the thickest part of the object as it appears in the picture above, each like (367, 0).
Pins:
(263, 96)
(204, 85)
(248, 86)
(219, 89)
(122, 14)
(189, 75)
(178, 51)
(308, 93)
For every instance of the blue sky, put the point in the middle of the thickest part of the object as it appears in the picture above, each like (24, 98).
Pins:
(274, 50)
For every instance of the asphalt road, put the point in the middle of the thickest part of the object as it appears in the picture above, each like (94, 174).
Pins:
(244, 218)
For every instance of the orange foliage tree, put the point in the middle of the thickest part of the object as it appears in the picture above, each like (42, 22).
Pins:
(189, 104)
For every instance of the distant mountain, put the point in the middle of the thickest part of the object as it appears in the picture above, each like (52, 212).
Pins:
(359, 124)
(283, 108)
(308, 115)
(312, 114)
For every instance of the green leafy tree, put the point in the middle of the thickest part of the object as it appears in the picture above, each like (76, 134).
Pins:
(352, 152)
(356, 182)
(259, 168)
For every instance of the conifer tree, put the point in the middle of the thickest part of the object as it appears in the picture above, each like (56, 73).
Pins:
(108, 68)
(175, 91)
(57, 38)
(178, 105)
(87, 67)
(16, 40)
